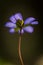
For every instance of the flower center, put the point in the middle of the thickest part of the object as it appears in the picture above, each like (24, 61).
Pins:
(19, 23)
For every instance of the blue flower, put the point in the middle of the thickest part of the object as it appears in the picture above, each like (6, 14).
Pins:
(17, 23)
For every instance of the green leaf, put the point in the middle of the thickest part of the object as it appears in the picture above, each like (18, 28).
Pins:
(16, 29)
(26, 25)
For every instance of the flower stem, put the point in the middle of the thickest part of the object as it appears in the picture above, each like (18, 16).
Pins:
(19, 50)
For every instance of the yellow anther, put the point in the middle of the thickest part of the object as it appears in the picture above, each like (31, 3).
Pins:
(22, 22)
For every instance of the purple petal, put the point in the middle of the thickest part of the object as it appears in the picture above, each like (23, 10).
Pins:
(29, 29)
(12, 18)
(29, 20)
(18, 16)
(10, 24)
(35, 22)
(11, 30)
(22, 31)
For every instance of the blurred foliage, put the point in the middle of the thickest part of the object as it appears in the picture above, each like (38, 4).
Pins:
(3, 62)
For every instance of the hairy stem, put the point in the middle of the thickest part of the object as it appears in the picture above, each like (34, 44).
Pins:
(19, 50)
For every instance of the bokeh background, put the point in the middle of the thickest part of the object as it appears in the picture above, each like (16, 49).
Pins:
(32, 44)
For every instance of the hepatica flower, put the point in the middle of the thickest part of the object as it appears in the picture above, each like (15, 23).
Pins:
(17, 24)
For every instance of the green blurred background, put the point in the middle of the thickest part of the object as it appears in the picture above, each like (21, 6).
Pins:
(32, 44)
